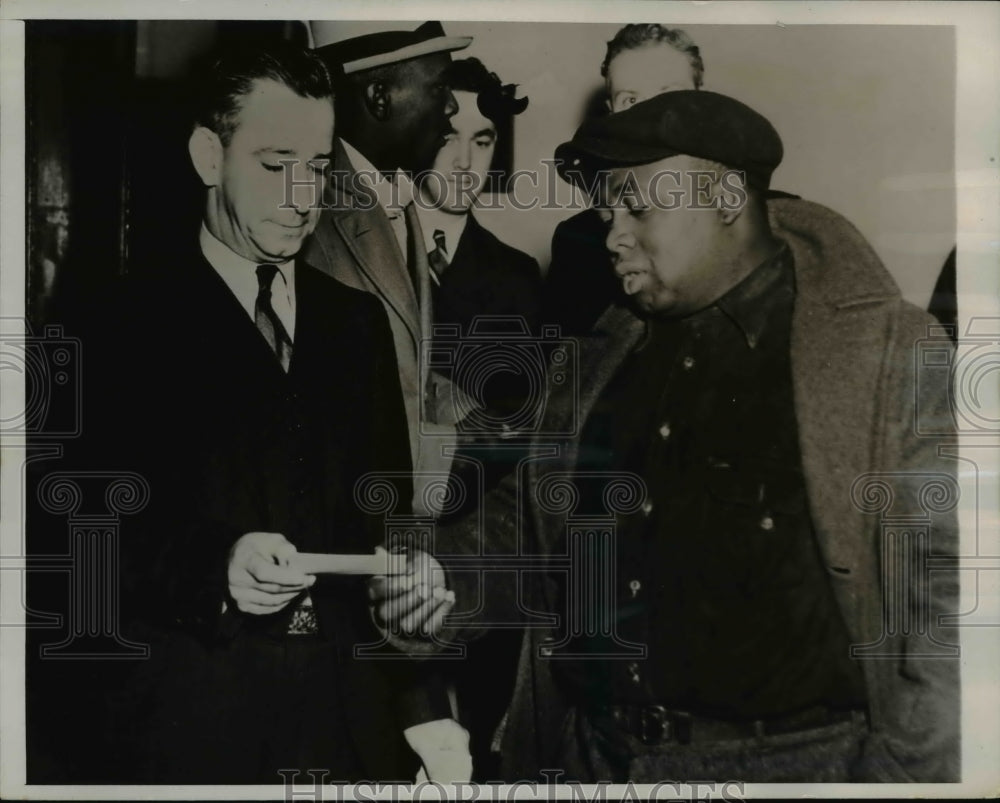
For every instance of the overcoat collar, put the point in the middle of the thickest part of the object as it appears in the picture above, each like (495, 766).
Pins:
(839, 345)
(369, 236)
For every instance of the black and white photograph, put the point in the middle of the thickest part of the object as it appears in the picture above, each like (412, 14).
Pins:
(499, 401)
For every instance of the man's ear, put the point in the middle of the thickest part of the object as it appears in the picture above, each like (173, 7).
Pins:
(377, 100)
(733, 195)
(205, 149)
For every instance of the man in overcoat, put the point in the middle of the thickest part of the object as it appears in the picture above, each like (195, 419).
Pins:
(392, 110)
(712, 583)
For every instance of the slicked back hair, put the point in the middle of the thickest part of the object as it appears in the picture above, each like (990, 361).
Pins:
(228, 76)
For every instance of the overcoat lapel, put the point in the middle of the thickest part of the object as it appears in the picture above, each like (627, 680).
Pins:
(841, 338)
(368, 235)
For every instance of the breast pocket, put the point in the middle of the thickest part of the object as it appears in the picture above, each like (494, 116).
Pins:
(755, 521)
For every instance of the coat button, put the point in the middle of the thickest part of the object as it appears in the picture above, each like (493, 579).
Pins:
(647, 507)
(767, 523)
(545, 652)
(688, 363)
(634, 586)
(664, 430)
(633, 671)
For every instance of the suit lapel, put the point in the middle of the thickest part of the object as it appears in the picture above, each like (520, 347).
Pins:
(222, 322)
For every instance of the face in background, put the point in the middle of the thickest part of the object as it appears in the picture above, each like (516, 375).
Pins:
(246, 179)
(669, 260)
(420, 107)
(645, 72)
(464, 159)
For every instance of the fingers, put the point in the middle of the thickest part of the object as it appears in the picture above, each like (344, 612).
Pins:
(435, 624)
(251, 600)
(262, 570)
(428, 618)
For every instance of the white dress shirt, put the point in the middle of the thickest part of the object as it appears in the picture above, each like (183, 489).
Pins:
(240, 276)
(393, 193)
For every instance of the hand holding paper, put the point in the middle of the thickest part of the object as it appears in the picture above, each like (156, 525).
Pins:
(414, 603)
(261, 581)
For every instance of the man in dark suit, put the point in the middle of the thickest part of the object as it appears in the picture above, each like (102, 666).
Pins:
(749, 537)
(392, 116)
(642, 61)
(474, 273)
(253, 392)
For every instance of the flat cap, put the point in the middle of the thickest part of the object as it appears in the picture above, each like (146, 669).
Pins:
(388, 47)
(703, 124)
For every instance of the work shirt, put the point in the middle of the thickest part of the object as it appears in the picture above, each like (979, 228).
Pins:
(718, 571)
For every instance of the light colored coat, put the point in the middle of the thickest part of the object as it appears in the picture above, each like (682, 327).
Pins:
(354, 243)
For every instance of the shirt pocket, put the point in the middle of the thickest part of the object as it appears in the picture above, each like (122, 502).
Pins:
(755, 527)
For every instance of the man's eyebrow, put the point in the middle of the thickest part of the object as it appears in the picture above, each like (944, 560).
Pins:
(272, 149)
(486, 132)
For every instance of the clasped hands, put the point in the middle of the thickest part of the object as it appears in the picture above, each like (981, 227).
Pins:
(262, 581)
(408, 605)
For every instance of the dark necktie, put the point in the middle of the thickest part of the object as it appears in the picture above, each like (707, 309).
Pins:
(438, 258)
(267, 320)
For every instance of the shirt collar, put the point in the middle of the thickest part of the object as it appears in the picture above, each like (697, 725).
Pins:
(238, 272)
(451, 225)
(394, 192)
(751, 302)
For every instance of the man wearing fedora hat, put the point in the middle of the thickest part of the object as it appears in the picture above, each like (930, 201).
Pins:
(392, 111)
(759, 398)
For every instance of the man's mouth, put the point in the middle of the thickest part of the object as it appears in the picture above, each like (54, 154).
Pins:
(631, 277)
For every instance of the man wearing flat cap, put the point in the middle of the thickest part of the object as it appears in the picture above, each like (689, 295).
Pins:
(392, 110)
(757, 399)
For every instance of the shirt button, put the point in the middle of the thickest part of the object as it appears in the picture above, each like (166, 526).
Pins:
(545, 652)
(634, 586)
(767, 523)
(633, 671)
(647, 507)
(688, 363)
(664, 430)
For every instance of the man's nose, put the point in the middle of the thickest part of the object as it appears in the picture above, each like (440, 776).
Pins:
(307, 188)
(463, 159)
(450, 104)
(619, 240)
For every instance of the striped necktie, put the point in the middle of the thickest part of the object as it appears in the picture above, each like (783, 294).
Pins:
(267, 320)
(438, 258)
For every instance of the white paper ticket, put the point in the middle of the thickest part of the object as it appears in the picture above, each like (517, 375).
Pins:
(320, 563)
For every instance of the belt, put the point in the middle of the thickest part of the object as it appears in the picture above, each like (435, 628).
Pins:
(657, 724)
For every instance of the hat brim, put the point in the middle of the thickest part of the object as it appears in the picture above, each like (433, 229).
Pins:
(577, 161)
(439, 44)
